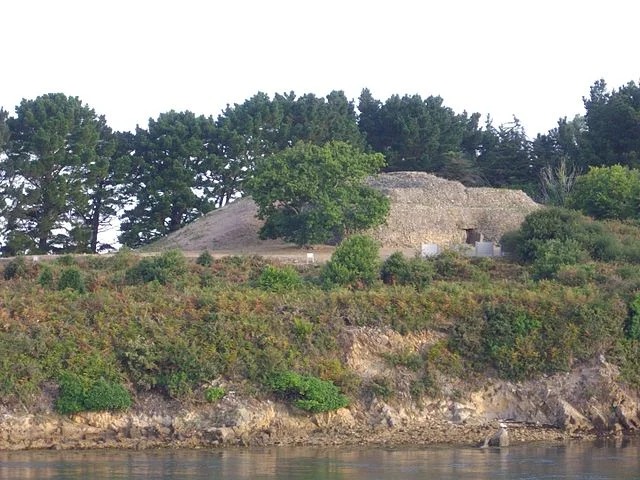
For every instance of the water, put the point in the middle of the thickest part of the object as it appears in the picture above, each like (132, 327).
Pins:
(591, 461)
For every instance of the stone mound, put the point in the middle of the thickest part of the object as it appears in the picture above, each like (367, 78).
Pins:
(429, 209)
(424, 209)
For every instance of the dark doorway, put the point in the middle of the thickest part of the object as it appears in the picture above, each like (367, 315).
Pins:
(473, 236)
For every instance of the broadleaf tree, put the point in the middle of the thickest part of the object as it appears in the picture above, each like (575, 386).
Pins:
(317, 194)
(608, 192)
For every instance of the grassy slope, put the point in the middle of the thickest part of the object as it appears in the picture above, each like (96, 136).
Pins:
(201, 323)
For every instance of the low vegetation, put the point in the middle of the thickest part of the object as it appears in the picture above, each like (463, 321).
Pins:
(106, 330)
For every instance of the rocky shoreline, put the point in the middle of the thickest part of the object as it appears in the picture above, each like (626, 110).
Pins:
(127, 431)
(586, 403)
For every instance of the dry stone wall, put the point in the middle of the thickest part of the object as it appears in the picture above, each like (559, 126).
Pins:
(428, 209)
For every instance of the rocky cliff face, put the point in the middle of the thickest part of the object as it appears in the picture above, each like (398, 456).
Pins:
(586, 401)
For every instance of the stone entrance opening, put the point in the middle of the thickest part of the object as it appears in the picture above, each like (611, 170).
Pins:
(473, 236)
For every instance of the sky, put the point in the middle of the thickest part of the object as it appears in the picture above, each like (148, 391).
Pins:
(134, 59)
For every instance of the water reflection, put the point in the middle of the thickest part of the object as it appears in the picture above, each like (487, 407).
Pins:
(601, 460)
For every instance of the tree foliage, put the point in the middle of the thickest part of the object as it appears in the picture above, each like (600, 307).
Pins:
(52, 162)
(613, 121)
(608, 192)
(65, 175)
(421, 135)
(311, 194)
(169, 167)
(4, 130)
(505, 157)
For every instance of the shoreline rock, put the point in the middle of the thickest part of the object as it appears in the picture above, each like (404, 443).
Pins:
(586, 403)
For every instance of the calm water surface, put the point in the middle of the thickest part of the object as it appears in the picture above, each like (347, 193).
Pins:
(595, 461)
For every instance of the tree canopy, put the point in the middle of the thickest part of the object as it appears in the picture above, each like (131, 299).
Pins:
(65, 176)
(613, 121)
(316, 194)
(170, 163)
(608, 192)
(50, 169)
(417, 134)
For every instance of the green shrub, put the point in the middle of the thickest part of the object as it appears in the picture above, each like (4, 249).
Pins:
(177, 384)
(167, 267)
(565, 226)
(552, 255)
(66, 260)
(205, 259)
(213, 394)
(451, 264)
(607, 192)
(140, 358)
(626, 355)
(397, 270)
(104, 395)
(302, 328)
(381, 387)
(279, 279)
(441, 358)
(46, 277)
(632, 328)
(16, 268)
(307, 392)
(510, 341)
(576, 275)
(71, 278)
(511, 243)
(78, 394)
(553, 223)
(354, 263)
(630, 249)
(72, 393)
(405, 358)
(601, 244)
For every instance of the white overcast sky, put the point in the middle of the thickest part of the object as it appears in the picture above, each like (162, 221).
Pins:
(131, 60)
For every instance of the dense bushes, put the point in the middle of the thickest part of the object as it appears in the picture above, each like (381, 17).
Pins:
(16, 268)
(552, 255)
(71, 278)
(181, 337)
(79, 394)
(163, 269)
(354, 263)
(608, 192)
(397, 270)
(307, 392)
(552, 238)
(279, 279)
(541, 330)
(632, 328)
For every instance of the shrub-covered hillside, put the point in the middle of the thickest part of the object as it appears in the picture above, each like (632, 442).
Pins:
(106, 329)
